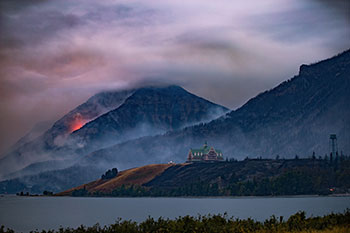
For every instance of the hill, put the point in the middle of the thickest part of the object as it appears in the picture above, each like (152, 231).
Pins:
(230, 178)
(133, 176)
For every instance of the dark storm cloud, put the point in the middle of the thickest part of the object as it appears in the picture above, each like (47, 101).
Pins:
(55, 54)
(23, 24)
(301, 24)
(8, 6)
(340, 7)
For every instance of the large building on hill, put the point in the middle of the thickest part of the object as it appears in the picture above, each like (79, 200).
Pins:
(204, 154)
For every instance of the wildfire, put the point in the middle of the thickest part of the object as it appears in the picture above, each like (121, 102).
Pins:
(77, 122)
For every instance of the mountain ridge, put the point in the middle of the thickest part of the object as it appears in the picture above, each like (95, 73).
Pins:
(235, 128)
(111, 117)
(38, 150)
(149, 111)
(294, 118)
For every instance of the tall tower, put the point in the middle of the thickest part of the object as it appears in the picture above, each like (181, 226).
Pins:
(333, 146)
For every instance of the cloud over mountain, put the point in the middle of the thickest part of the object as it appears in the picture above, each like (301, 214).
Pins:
(54, 54)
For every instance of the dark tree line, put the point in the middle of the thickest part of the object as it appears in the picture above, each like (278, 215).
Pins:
(110, 174)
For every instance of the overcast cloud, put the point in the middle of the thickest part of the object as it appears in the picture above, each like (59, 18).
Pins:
(56, 54)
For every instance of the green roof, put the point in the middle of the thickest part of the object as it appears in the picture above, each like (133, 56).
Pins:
(205, 150)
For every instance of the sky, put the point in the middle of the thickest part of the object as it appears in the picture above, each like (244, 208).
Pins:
(56, 54)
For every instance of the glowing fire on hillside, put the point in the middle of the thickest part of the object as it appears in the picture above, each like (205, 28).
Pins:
(77, 123)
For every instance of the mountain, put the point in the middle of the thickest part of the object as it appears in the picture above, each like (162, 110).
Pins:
(38, 148)
(106, 119)
(148, 111)
(93, 108)
(294, 118)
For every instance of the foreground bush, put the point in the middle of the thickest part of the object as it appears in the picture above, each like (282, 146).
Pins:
(221, 223)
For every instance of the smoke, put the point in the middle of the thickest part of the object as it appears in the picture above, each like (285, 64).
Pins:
(48, 142)
(56, 54)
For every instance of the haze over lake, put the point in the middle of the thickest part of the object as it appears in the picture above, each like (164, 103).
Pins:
(30, 213)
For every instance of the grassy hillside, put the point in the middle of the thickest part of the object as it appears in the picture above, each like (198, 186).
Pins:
(134, 176)
(258, 177)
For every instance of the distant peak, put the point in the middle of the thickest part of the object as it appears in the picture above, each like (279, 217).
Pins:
(303, 69)
(170, 87)
(162, 89)
(341, 59)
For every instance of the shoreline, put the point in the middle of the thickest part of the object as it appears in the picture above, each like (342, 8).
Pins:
(189, 197)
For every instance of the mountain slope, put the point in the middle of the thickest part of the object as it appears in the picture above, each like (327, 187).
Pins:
(148, 111)
(43, 146)
(133, 176)
(296, 117)
(144, 111)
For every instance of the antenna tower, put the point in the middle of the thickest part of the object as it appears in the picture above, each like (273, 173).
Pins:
(333, 145)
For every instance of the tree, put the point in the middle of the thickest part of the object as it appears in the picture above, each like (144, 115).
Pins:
(326, 157)
(336, 157)
(313, 155)
(47, 193)
(110, 174)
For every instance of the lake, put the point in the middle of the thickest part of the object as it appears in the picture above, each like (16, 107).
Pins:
(30, 213)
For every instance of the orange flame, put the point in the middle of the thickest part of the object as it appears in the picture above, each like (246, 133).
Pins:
(77, 122)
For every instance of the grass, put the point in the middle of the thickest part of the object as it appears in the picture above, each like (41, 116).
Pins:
(296, 223)
(133, 176)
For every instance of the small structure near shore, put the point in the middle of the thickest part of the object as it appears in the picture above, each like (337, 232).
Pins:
(204, 154)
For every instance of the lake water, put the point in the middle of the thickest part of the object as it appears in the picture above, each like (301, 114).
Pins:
(30, 213)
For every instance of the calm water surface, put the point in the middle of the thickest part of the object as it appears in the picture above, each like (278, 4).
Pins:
(30, 213)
